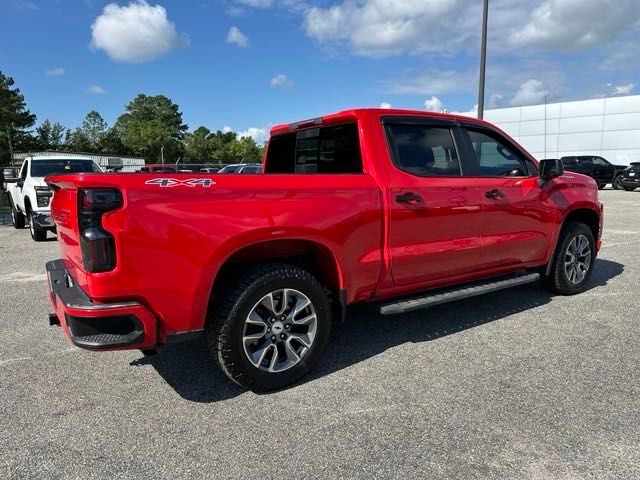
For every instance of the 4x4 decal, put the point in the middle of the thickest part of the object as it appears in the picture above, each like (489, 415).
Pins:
(172, 182)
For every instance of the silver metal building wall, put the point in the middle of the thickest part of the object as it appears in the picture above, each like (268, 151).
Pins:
(608, 127)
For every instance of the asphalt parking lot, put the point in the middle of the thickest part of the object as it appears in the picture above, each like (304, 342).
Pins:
(515, 384)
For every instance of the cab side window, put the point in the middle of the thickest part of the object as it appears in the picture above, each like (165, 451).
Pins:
(495, 158)
(423, 150)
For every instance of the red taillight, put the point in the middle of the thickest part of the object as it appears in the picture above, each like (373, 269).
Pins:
(98, 246)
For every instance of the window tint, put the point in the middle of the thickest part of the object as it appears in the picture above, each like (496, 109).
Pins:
(331, 149)
(570, 161)
(495, 158)
(252, 169)
(43, 168)
(423, 150)
(600, 162)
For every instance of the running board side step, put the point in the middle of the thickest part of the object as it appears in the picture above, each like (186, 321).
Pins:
(458, 293)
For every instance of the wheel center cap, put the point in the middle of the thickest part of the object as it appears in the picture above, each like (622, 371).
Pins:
(277, 328)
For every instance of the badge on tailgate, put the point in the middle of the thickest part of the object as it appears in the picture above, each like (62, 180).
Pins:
(172, 182)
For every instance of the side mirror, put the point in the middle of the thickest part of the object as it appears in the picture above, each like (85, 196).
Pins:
(551, 168)
(10, 175)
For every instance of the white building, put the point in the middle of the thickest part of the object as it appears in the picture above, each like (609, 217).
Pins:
(608, 127)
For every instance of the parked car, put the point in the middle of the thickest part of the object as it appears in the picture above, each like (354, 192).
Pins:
(631, 177)
(364, 205)
(29, 195)
(241, 168)
(159, 168)
(598, 168)
(210, 169)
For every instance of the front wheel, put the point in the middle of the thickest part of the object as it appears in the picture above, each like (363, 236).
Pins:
(38, 233)
(573, 261)
(270, 327)
(17, 218)
(617, 182)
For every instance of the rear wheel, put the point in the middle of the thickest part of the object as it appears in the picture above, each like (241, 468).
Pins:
(270, 327)
(573, 261)
(38, 233)
(601, 186)
(617, 182)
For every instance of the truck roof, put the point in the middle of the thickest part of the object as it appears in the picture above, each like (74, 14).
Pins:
(62, 156)
(356, 113)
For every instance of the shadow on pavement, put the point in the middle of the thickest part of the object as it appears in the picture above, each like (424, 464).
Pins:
(192, 372)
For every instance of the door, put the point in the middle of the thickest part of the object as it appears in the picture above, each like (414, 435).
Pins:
(19, 201)
(602, 170)
(516, 216)
(435, 213)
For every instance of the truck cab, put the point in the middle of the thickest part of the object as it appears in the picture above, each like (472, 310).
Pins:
(30, 196)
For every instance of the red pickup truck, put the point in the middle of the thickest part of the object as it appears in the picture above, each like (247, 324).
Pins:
(405, 208)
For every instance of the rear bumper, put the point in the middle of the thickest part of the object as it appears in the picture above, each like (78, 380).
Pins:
(630, 183)
(98, 326)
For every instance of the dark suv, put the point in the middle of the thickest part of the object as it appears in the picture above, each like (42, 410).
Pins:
(597, 168)
(631, 177)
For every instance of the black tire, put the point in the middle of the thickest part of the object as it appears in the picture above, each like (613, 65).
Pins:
(629, 189)
(617, 182)
(18, 218)
(38, 233)
(601, 186)
(226, 322)
(558, 280)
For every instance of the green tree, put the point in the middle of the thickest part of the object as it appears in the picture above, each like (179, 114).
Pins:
(15, 119)
(94, 130)
(50, 135)
(198, 146)
(150, 125)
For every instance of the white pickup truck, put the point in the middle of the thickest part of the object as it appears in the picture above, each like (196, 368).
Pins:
(30, 196)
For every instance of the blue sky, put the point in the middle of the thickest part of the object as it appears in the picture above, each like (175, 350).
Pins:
(247, 64)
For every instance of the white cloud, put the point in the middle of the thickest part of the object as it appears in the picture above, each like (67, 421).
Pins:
(54, 72)
(382, 27)
(237, 37)
(227, 129)
(576, 24)
(531, 92)
(495, 99)
(385, 105)
(444, 27)
(137, 32)
(260, 135)
(435, 82)
(434, 104)
(623, 89)
(281, 81)
(96, 90)
(256, 3)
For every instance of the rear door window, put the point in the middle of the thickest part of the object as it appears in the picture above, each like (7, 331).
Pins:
(424, 150)
(329, 150)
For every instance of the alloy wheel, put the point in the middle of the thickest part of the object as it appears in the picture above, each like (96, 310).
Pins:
(279, 330)
(577, 260)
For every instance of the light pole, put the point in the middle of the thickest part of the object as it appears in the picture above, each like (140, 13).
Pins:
(483, 58)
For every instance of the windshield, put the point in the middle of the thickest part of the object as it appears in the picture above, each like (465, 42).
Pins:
(44, 168)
